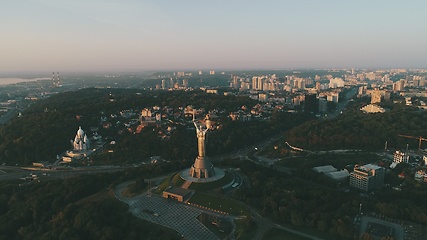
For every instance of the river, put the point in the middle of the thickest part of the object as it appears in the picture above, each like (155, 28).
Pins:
(5, 81)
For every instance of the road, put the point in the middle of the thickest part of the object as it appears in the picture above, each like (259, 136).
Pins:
(15, 173)
(243, 152)
(264, 224)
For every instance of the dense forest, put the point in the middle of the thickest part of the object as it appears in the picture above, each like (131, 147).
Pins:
(182, 142)
(45, 129)
(74, 208)
(294, 200)
(357, 130)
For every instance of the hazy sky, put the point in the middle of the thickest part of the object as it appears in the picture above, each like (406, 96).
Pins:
(84, 35)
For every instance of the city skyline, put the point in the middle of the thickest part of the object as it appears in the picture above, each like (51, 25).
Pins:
(41, 35)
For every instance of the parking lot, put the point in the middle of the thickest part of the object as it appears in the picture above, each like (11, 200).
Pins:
(380, 228)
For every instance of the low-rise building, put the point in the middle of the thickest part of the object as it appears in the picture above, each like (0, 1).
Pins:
(177, 193)
(332, 172)
(421, 176)
(325, 169)
(240, 116)
(338, 175)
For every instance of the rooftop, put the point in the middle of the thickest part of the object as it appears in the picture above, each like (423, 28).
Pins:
(338, 175)
(178, 191)
(325, 169)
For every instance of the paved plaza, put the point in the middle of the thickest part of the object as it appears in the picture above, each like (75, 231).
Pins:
(168, 213)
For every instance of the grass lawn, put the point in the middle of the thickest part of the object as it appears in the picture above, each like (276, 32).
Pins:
(214, 202)
(177, 181)
(132, 190)
(162, 186)
(213, 185)
(96, 197)
(278, 234)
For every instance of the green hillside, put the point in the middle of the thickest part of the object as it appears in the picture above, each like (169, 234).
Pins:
(46, 127)
(357, 130)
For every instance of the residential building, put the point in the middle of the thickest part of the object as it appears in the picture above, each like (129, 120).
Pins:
(399, 157)
(367, 177)
(421, 176)
(376, 96)
(399, 85)
(333, 97)
(240, 116)
(336, 83)
(262, 97)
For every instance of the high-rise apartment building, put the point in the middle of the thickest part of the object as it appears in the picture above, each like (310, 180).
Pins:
(164, 84)
(185, 83)
(376, 96)
(254, 83)
(318, 86)
(367, 177)
(399, 85)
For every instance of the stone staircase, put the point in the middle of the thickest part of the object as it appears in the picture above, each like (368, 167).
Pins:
(186, 184)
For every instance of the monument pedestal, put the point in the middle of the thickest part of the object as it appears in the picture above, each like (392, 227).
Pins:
(202, 168)
(219, 173)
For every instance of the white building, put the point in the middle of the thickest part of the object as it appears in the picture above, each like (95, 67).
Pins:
(336, 83)
(399, 157)
(332, 172)
(81, 141)
(367, 177)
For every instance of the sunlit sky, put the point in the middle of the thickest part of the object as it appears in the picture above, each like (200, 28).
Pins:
(97, 35)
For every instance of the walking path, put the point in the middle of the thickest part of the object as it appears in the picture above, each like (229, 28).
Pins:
(186, 184)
